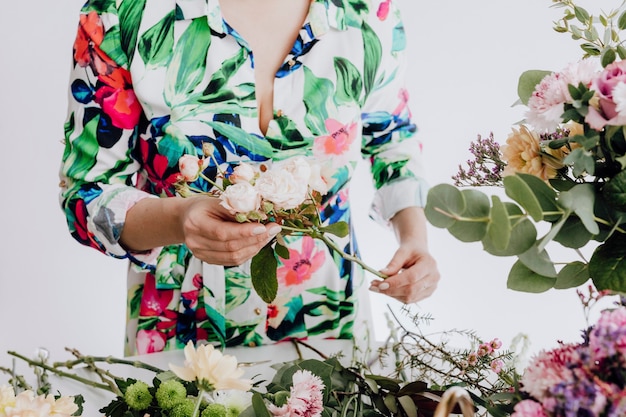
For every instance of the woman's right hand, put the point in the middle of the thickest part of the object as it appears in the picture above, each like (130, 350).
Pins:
(213, 235)
(208, 229)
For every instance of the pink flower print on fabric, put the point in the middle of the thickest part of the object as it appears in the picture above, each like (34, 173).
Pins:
(338, 141)
(154, 302)
(301, 264)
(150, 341)
(383, 10)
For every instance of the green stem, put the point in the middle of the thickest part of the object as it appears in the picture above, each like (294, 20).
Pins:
(107, 387)
(196, 410)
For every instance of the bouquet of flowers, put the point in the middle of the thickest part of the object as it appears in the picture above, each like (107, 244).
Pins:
(563, 167)
(580, 379)
(287, 192)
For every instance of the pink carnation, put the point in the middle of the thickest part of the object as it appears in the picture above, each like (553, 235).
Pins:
(528, 408)
(549, 368)
(306, 399)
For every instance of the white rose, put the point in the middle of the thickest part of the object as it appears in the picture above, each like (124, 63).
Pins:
(242, 173)
(189, 167)
(298, 167)
(317, 181)
(281, 188)
(240, 198)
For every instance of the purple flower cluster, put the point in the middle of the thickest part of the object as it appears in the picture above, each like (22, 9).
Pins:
(486, 167)
(586, 379)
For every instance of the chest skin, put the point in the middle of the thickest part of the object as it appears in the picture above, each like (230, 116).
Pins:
(270, 27)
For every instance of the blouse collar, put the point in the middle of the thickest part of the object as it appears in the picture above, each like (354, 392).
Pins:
(323, 14)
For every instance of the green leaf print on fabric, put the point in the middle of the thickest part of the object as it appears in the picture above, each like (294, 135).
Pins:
(238, 285)
(373, 52)
(68, 130)
(398, 38)
(219, 90)
(349, 82)
(112, 48)
(188, 64)
(84, 149)
(384, 171)
(240, 137)
(155, 45)
(355, 11)
(170, 271)
(130, 14)
(317, 97)
(290, 137)
(101, 6)
(134, 301)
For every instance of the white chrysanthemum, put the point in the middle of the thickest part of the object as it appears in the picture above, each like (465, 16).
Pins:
(210, 367)
(7, 398)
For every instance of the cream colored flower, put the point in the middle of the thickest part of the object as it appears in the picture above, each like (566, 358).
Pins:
(524, 153)
(240, 198)
(7, 398)
(211, 369)
(282, 188)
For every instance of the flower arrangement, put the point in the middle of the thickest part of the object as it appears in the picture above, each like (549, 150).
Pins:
(419, 370)
(287, 192)
(563, 167)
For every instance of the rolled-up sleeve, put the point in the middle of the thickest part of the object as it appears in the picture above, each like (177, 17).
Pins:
(103, 123)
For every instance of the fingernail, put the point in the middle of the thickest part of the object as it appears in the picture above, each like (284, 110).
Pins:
(384, 286)
(259, 230)
(374, 288)
(274, 230)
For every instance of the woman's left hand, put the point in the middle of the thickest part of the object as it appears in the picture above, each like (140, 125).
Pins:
(412, 273)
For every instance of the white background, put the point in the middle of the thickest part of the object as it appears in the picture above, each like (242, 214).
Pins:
(466, 57)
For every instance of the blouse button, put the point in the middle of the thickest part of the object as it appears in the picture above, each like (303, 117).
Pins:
(279, 113)
(252, 344)
(291, 62)
(257, 311)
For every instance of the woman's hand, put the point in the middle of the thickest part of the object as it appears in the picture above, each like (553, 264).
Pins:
(201, 223)
(412, 272)
(213, 236)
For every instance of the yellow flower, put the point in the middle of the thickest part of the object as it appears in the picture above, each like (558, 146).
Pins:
(523, 153)
(211, 369)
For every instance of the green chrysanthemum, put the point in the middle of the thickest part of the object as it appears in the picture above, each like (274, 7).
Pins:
(215, 410)
(138, 396)
(170, 393)
(183, 409)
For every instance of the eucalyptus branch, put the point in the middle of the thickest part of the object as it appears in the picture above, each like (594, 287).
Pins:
(63, 374)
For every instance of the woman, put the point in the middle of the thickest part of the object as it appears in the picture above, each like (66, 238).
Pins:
(258, 81)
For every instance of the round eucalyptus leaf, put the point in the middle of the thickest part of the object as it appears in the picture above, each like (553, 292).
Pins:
(477, 214)
(614, 191)
(572, 275)
(523, 235)
(608, 264)
(573, 234)
(523, 279)
(538, 261)
(444, 203)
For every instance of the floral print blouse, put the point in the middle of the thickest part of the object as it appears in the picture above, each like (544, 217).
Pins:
(153, 80)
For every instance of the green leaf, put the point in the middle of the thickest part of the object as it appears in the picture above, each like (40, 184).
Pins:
(527, 83)
(477, 212)
(130, 13)
(372, 57)
(608, 56)
(573, 234)
(582, 162)
(443, 203)
(521, 278)
(499, 227)
(258, 404)
(581, 14)
(408, 405)
(572, 275)
(614, 191)
(281, 251)
(523, 235)
(263, 273)
(340, 229)
(349, 82)
(621, 21)
(519, 189)
(242, 138)
(580, 199)
(538, 261)
(608, 264)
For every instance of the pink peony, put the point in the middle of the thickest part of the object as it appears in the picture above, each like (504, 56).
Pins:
(528, 408)
(549, 368)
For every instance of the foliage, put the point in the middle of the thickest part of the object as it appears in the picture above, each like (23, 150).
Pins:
(565, 175)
